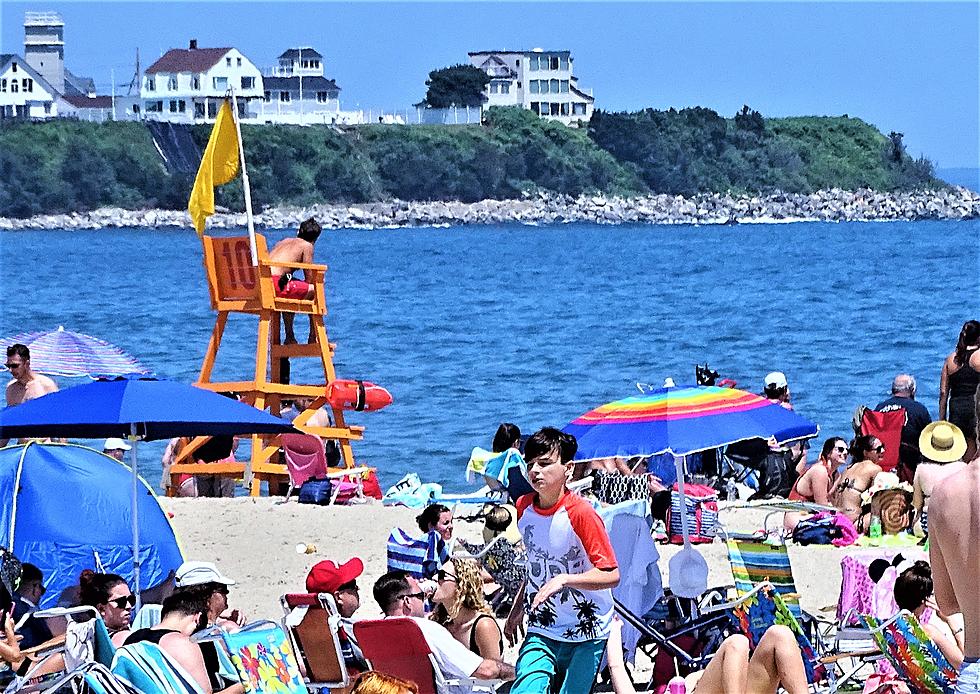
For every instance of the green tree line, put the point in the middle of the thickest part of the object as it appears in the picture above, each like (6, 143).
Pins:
(65, 166)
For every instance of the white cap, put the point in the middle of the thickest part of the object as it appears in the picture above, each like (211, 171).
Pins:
(195, 573)
(776, 379)
(115, 445)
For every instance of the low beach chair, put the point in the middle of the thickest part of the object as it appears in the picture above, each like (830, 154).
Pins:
(263, 656)
(313, 624)
(148, 669)
(422, 556)
(916, 659)
(305, 458)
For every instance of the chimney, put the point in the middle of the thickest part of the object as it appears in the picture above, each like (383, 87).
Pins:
(193, 44)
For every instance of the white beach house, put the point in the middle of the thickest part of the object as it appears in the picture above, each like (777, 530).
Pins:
(296, 92)
(24, 93)
(538, 80)
(187, 85)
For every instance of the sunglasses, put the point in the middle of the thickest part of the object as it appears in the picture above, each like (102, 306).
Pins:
(840, 449)
(124, 601)
(11, 367)
(419, 596)
(443, 576)
(880, 449)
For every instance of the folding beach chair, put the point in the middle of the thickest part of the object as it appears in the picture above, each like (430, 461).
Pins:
(305, 457)
(397, 647)
(313, 624)
(422, 556)
(262, 656)
(504, 561)
(148, 669)
(916, 659)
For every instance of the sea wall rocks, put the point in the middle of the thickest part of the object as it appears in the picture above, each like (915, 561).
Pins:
(545, 208)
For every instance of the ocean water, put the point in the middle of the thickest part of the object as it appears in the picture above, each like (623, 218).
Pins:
(472, 326)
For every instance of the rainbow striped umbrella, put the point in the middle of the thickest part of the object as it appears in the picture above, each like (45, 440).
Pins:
(66, 353)
(682, 420)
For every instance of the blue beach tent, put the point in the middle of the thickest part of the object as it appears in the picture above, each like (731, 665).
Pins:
(67, 507)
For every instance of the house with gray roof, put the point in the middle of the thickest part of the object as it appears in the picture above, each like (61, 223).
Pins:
(297, 92)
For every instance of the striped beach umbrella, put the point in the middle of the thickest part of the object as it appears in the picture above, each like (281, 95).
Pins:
(682, 420)
(66, 353)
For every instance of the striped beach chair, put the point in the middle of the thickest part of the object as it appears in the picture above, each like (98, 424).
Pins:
(145, 667)
(916, 659)
(755, 563)
(422, 556)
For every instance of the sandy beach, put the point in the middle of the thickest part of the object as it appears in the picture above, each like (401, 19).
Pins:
(254, 541)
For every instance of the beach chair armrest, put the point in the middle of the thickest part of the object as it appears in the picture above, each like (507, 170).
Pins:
(831, 659)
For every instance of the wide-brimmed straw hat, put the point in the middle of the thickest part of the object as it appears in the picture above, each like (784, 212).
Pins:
(942, 442)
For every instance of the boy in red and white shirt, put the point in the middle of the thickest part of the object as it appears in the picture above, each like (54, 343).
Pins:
(571, 573)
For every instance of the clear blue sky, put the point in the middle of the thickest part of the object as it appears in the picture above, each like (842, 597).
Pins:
(911, 67)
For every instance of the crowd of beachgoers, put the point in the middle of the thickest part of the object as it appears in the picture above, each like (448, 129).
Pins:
(834, 205)
(552, 603)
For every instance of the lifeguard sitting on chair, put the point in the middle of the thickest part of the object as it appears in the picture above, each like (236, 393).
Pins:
(294, 250)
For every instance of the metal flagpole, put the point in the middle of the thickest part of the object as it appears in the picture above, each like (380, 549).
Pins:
(245, 185)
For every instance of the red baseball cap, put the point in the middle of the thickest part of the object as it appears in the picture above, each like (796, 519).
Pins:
(326, 576)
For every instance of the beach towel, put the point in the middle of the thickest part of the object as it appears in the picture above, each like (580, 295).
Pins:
(422, 556)
(146, 667)
(265, 661)
(409, 491)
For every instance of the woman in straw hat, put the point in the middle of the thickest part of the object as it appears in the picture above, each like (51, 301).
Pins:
(942, 445)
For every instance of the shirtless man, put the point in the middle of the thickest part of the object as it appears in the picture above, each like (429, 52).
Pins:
(294, 250)
(954, 522)
(26, 385)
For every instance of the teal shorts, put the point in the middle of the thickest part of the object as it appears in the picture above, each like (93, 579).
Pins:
(543, 662)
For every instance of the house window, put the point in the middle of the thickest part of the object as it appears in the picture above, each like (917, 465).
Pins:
(322, 97)
(154, 106)
(151, 84)
(172, 83)
(536, 107)
(534, 86)
(494, 88)
(564, 86)
(13, 86)
(505, 87)
(196, 82)
(199, 109)
(136, 108)
(3, 85)
(564, 64)
(564, 108)
(228, 62)
(220, 83)
(518, 85)
(285, 96)
(182, 104)
(555, 87)
(315, 63)
(248, 83)
(518, 62)
(239, 62)
(47, 107)
(532, 63)
(578, 109)
(555, 109)
(14, 67)
(544, 87)
(267, 96)
(554, 62)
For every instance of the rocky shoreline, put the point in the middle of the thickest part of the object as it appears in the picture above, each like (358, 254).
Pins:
(545, 208)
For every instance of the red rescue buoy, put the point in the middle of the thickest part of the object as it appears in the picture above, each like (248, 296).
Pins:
(360, 396)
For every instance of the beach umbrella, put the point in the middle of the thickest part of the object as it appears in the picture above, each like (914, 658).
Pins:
(67, 353)
(681, 420)
(137, 409)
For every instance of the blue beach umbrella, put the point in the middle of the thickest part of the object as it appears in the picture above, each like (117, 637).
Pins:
(137, 409)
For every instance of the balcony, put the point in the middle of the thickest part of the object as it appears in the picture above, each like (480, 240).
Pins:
(43, 19)
(43, 41)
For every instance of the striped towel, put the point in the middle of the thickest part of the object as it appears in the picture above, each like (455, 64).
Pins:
(420, 556)
(146, 667)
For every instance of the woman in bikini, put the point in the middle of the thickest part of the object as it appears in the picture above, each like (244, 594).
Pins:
(942, 445)
(866, 453)
(815, 483)
(461, 608)
(958, 384)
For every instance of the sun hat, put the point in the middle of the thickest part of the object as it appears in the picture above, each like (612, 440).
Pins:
(114, 444)
(196, 573)
(942, 442)
(326, 576)
(776, 379)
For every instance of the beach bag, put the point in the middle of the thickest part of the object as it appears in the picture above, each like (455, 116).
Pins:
(702, 514)
(315, 491)
(820, 529)
(345, 492)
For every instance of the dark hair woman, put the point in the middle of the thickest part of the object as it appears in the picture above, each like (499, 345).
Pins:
(436, 517)
(958, 384)
(913, 592)
(508, 436)
(111, 597)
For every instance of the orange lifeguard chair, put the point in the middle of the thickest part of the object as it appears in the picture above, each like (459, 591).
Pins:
(236, 285)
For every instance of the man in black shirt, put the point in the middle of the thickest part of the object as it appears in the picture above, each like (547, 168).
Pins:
(916, 419)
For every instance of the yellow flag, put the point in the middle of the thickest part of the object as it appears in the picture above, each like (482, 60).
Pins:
(218, 166)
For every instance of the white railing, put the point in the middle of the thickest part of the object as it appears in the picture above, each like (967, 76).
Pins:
(43, 18)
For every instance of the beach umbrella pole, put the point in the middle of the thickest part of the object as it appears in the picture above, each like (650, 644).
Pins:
(680, 462)
(134, 512)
